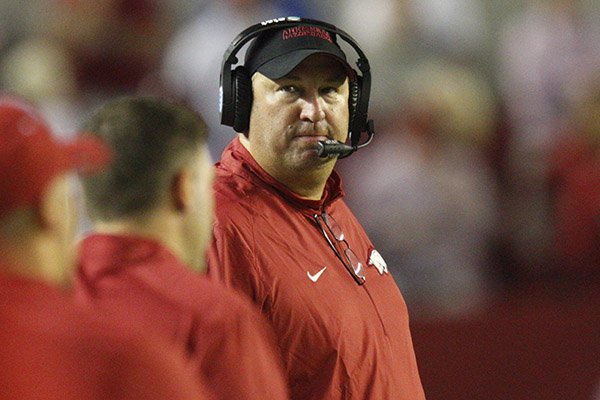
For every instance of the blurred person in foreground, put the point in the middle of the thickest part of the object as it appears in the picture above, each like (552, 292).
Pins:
(285, 236)
(49, 348)
(152, 213)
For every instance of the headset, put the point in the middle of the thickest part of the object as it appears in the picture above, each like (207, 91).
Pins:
(235, 89)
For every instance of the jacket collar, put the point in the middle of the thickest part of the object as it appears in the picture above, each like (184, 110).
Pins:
(238, 160)
(105, 254)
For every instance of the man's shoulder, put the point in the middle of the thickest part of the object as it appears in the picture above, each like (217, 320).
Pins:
(180, 293)
(194, 294)
(232, 186)
(238, 199)
(80, 350)
(199, 294)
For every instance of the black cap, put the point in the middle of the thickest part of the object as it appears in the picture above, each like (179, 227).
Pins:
(276, 53)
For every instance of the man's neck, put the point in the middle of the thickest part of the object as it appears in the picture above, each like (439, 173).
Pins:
(159, 228)
(35, 258)
(309, 186)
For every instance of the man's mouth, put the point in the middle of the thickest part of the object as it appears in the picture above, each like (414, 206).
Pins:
(311, 138)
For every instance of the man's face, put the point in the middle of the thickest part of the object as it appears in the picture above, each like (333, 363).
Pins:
(199, 218)
(290, 115)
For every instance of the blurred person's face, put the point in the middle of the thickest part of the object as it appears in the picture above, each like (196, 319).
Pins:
(200, 214)
(290, 115)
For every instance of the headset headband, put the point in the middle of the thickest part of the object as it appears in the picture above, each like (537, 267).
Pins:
(250, 33)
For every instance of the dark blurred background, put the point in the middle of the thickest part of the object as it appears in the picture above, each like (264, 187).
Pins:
(482, 186)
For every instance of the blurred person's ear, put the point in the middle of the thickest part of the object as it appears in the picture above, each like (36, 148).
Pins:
(42, 215)
(198, 225)
(57, 219)
(181, 189)
(46, 228)
(53, 208)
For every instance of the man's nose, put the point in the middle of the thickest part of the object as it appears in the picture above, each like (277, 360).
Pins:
(312, 109)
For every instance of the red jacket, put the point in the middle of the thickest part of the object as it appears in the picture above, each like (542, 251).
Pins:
(227, 341)
(51, 350)
(339, 340)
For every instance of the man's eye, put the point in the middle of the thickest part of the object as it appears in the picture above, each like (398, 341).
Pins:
(329, 90)
(289, 89)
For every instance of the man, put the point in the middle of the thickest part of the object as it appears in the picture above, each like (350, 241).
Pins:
(152, 212)
(284, 236)
(49, 348)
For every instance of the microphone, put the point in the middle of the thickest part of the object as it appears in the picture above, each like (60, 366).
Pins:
(333, 148)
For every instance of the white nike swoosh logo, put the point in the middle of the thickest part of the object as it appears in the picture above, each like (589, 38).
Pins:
(316, 276)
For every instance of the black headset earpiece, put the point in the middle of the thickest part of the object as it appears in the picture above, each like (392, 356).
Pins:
(235, 100)
(353, 104)
(242, 97)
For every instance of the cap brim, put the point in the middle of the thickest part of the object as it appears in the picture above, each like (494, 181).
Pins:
(279, 67)
(86, 154)
(35, 167)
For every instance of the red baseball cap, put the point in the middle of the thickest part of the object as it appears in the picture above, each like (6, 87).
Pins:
(31, 157)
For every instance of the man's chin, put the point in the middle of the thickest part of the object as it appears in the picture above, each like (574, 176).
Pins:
(309, 158)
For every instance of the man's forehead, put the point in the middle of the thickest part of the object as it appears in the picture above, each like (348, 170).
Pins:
(320, 64)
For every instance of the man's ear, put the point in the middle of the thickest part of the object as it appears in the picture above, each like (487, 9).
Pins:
(49, 210)
(45, 209)
(181, 189)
